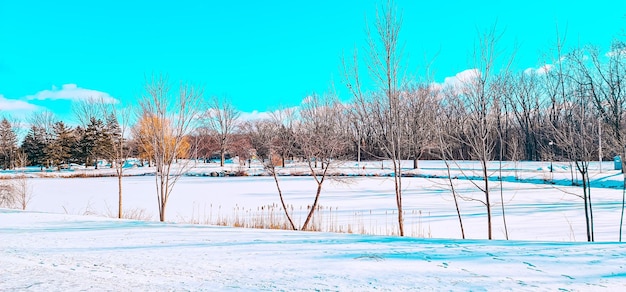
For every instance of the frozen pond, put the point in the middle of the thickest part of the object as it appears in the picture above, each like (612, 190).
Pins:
(352, 204)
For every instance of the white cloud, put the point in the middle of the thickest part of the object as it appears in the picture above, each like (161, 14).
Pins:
(462, 78)
(459, 81)
(539, 71)
(15, 105)
(73, 93)
(621, 53)
(254, 115)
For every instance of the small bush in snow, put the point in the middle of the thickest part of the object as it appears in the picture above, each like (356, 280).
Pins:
(15, 192)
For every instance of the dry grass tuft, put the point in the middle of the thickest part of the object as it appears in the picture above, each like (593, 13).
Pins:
(325, 219)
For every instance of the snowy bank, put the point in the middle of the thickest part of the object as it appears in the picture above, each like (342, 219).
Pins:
(53, 252)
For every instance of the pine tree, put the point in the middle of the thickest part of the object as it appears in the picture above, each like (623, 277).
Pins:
(78, 151)
(88, 142)
(8, 144)
(114, 139)
(34, 146)
(59, 151)
(96, 142)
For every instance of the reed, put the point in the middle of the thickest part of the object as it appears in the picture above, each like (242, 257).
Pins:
(326, 219)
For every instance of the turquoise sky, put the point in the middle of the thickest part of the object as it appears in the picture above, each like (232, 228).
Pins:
(260, 54)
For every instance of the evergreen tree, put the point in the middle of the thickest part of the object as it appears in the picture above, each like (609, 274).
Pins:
(34, 146)
(88, 142)
(59, 150)
(91, 147)
(8, 144)
(113, 140)
(78, 151)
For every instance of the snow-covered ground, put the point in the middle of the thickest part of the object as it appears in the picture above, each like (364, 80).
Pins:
(539, 204)
(59, 249)
(53, 252)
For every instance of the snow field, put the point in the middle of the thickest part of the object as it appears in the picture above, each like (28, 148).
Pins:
(59, 250)
(55, 252)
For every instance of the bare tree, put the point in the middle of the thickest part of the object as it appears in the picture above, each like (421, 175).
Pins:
(21, 158)
(86, 109)
(322, 137)
(167, 119)
(502, 119)
(241, 148)
(577, 127)
(604, 79)
(222, 118)
(119, 121)
(264, 135)
(44, 120)
(361, 120)
(7, 195)
(449, 119)
(203, 142)
(260, 133)
(478, 97)
(524, 99)
(23, 190)
(419, 106)
(15, 192)
(384, 108)
(284, 144)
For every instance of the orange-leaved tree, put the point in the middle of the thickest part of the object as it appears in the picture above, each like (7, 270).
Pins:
(165, 121)
(145, 133)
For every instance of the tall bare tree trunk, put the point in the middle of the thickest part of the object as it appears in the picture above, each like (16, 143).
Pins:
(119, 198)
(506, 230)
(384, 67)
(487, 198)
(398, 186)
(455, 197)
(280, 195)
(621, 219)
(309, 216)
(587, 211)
(222, 157)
